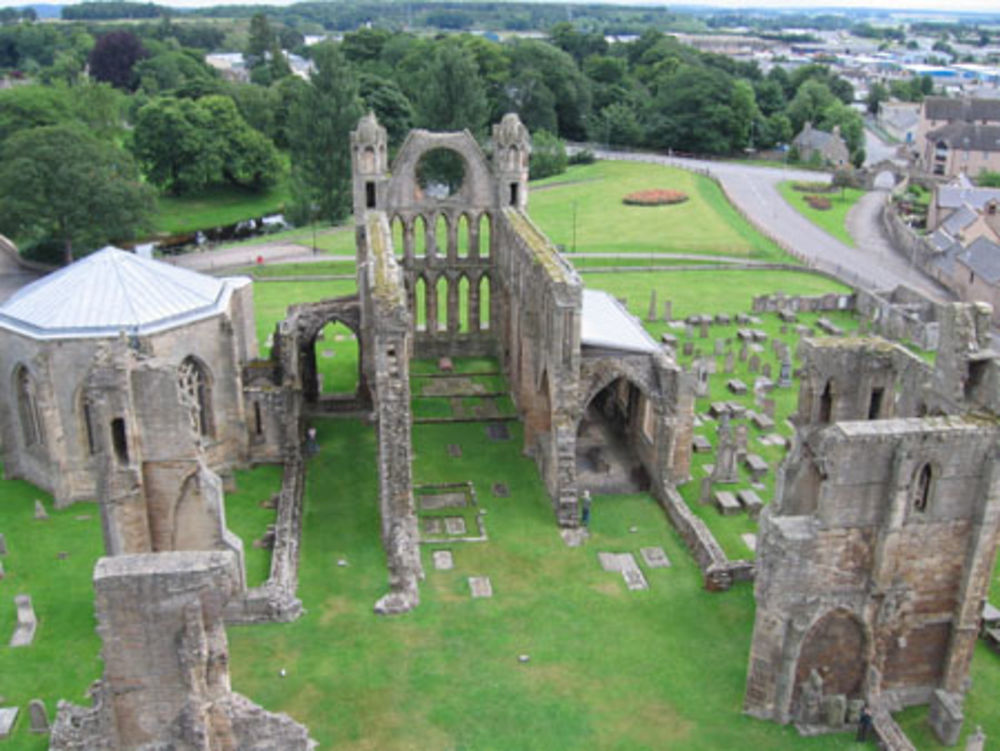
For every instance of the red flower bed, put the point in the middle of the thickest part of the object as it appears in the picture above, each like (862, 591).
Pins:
(820, 203)
(655, 197)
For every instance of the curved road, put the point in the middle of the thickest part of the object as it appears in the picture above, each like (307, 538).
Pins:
(872, 265)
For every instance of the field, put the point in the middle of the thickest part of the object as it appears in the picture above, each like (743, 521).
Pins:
(832, 220)
(589, 197)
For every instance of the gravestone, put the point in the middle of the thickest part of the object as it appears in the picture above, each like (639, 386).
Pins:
(757, 466)
(443, 560)
(609, 562)
(454, 450)
(40, 512)
(741, 441)
(634, 580)
(974, 742)
(769, 407)
(834, 710)
(434, 526)
(728, 367)
(754, 365)
(720, 345)
(700, 444)
(723, 319)
(726, 469)
(751, 502)
(39, 718)
(445, 365)
(765, 370)
(2, 572)
(8, 715)
(689, 331)
(454, 525)
(750, 540)
(700, 368)
(498, 431)
(736, 386)
(688, 348)
(434, 501)
(785, 377)
(500, 490)
(705, 496)
(3, 544)
(854, 707)
(743, 352)
(651, 316)
(655, 557)
(726, 503)
(480, 586)
(704, 328)
(762, 422)
(24, 631)
(668, 311)
(669, 339)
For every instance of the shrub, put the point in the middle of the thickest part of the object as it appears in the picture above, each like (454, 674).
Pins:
(655, 197)
(548, 155)
(583, 156)
(820, 203)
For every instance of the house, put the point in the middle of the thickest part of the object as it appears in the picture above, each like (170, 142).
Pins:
(976, 272)
(947, 199)
(899, 120)
(936, 112)
(828, 148)
(962, 148)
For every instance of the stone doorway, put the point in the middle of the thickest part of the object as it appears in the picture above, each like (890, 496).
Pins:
(606, 460)
(338, 362)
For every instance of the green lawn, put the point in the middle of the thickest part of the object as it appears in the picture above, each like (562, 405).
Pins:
(832, 220)
(704, 224)
(217, 207)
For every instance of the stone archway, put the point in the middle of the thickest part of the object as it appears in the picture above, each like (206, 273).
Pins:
(884, 180)
(835, 648)
(606, 459)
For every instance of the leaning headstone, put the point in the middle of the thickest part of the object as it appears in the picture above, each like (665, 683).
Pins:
(754, 364)
(655, 557)
(8, 715)
(480, 586)
(443, 560)
(3, 544)
(652, 306)
(765, 370)
(704, 328)
(39, 718)
(975, 742)
(785, 377)
(728, 367)
(705, 496)
(668, 313)
(743, 352)
(40, 512)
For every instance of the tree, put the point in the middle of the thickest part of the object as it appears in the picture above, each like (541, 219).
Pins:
(988, 179)
(319, 137)
(548, 155)
(452, 95)
(59, 184)
(390, 105)
(261, 39)
(113, 58)
(877, 94)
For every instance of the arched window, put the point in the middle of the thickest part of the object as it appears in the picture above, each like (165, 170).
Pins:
(922, 483)
(464, 305)
(484, 302)
(87, 427)
(32, 428)
(826, 403)
(196, 393)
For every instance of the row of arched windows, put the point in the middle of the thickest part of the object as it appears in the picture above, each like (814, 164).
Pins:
(464, 237)
(468, 311)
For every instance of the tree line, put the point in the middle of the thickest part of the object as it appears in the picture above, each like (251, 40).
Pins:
(154, 111)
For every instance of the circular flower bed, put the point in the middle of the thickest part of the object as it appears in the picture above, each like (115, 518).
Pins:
(655, 197)
(820, 203)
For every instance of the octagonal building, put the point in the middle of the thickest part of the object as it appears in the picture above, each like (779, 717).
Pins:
(106, 325)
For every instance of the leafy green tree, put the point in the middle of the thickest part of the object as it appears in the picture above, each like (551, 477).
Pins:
(548, 155)
(171, 70)
(616, 125)
(811, 100)
(570, 88)
(390, 105)
(877, 94)
(452, 95)
(319, 138)
(533, 101)
(261, 38)
(185, 145)
(26, 107)
(988, 179)
(59, 184)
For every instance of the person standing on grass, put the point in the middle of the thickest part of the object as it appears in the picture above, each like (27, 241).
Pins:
(585, 509)
(864, 724)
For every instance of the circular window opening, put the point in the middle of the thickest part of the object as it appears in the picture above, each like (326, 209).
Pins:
(440, 174)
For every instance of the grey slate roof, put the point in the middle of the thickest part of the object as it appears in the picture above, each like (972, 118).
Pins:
(813, 139)
(959, 220)
(607, 325)
(114, 291)
(969, 110)
(973, 137)
(983, 257)
(951, 197)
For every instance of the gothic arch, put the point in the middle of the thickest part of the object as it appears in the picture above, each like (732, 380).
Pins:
(195, 382)
(29, 414)
(836, 647)
(477, 190)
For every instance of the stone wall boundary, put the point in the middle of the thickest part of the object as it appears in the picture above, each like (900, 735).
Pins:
(276, 601)
(718, 571)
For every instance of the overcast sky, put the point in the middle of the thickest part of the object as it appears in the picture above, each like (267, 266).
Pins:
(943, 6)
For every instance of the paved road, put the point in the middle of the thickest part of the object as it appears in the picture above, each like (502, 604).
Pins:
(754, 192)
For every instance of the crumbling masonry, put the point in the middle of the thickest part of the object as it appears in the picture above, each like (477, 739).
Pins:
(875, 556)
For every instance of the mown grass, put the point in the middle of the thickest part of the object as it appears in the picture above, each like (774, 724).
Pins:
(216, 207)
(833, 220)
(705, 224)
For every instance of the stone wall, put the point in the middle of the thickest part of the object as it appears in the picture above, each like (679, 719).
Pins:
(166, 663)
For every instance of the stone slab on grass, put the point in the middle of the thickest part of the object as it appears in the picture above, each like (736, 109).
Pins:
(480, 586)
(434, 501)
(726, 503)
(8, 716)
(750, 540)
(500, 490)
(655, 557)
(498, 431)
(631, 573)
(454, 525)
(701, 445)
(454, 450)
(443, 560)
(751, 502)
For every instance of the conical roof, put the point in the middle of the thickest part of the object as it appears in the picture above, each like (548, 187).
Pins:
(114, 291)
